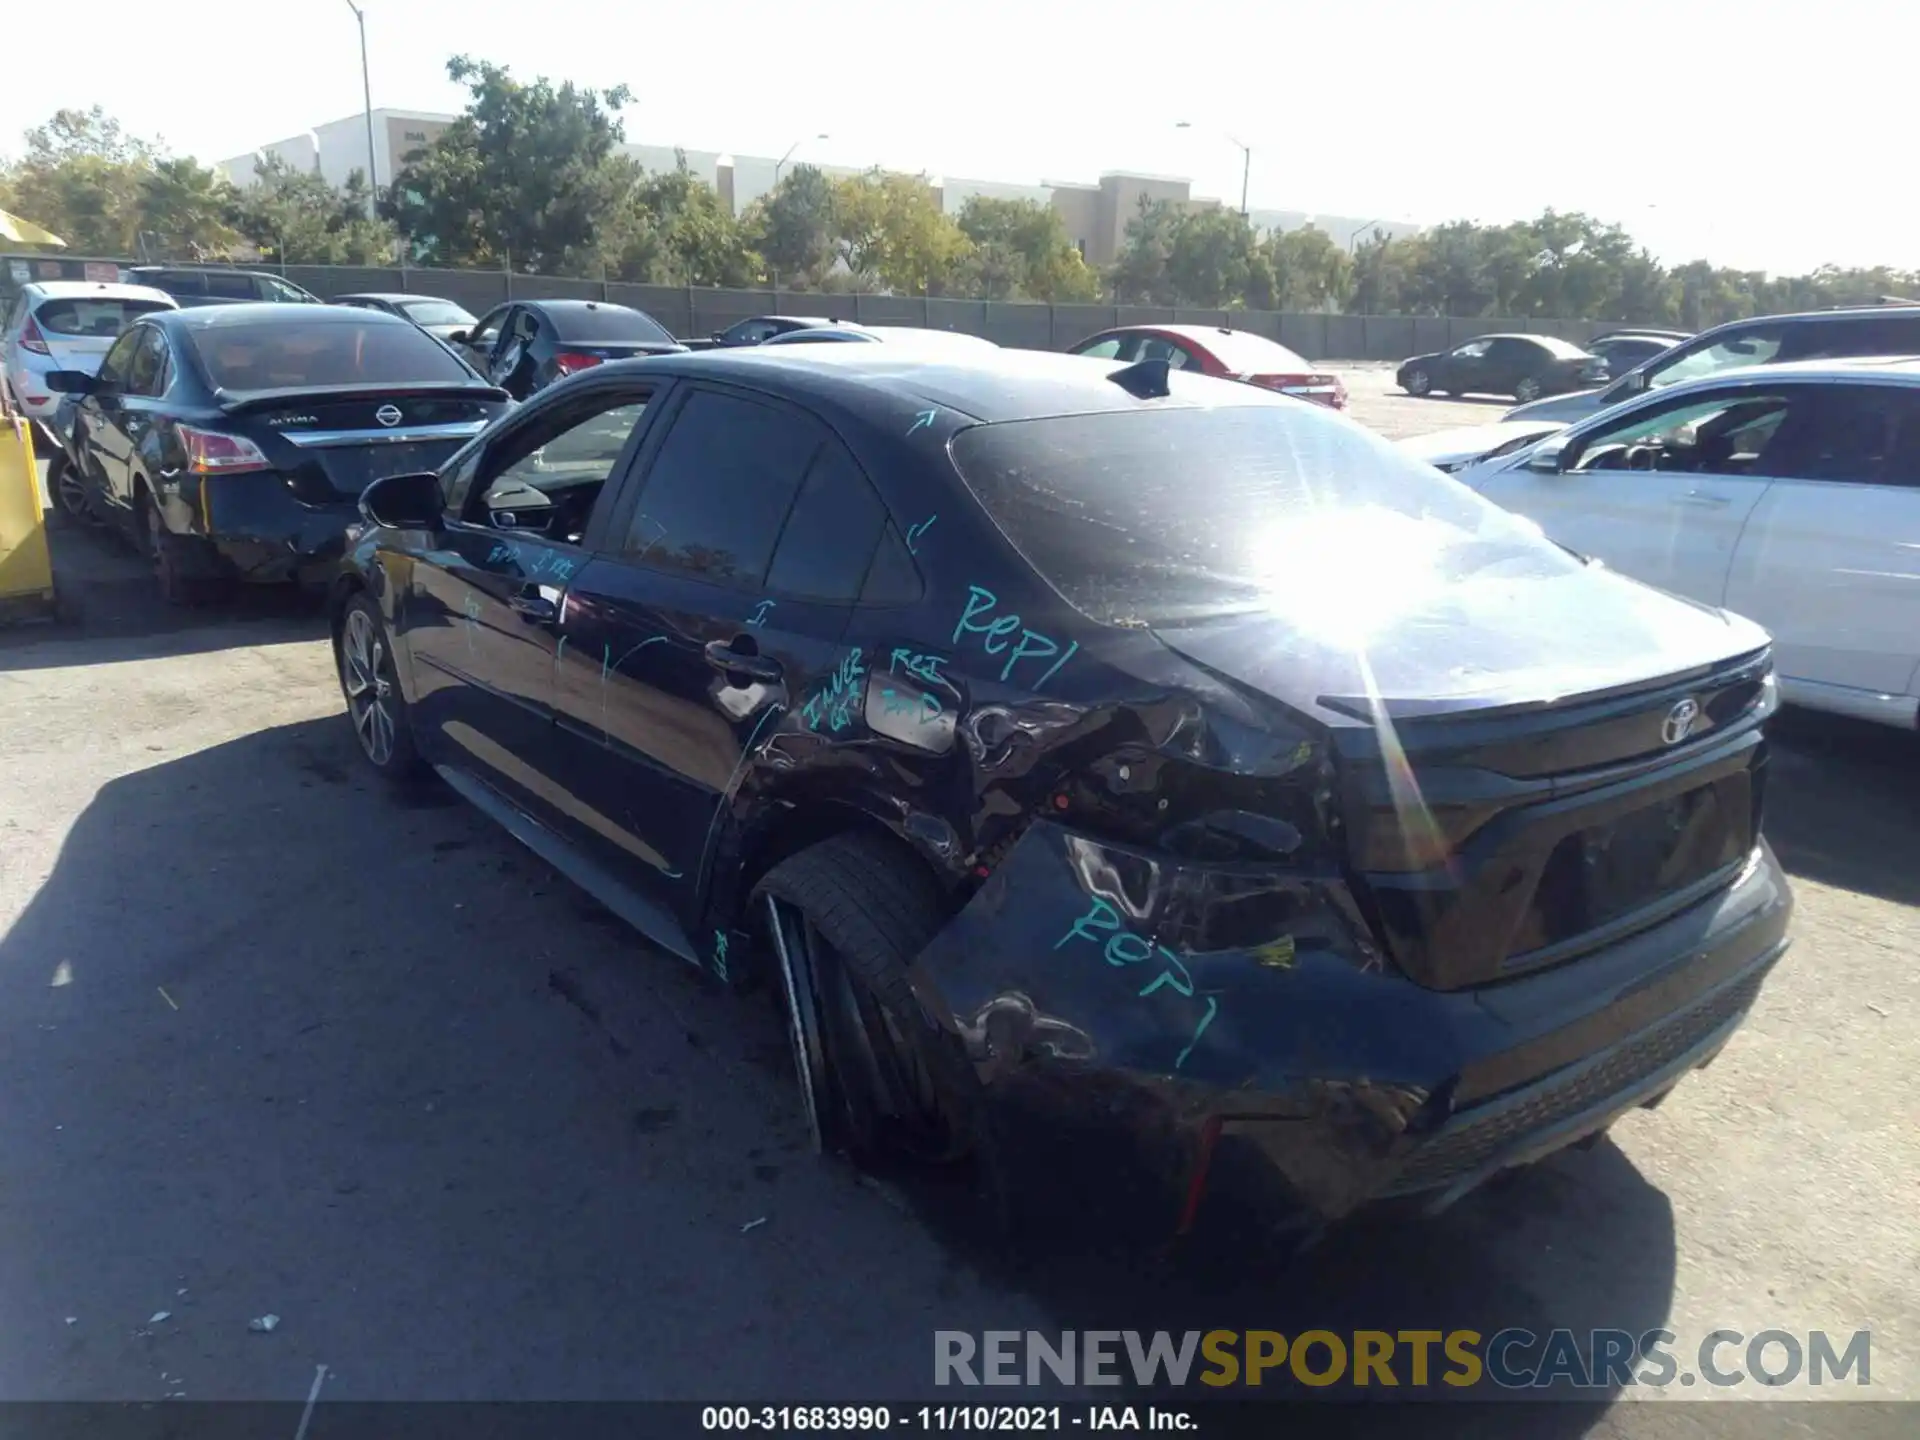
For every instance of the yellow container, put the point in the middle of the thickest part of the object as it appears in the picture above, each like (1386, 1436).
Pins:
(26, 568)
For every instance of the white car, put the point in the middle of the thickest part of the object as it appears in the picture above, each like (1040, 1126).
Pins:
(846, 330)
(1788, 493)
(1451, 450)
(65, 325)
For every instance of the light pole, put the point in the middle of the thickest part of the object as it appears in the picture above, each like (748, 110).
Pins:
(366, 95)
(1358, 233)
(781, 163)
(1246, 162)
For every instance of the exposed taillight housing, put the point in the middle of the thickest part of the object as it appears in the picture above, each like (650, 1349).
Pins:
(1321, 389)
(32, 339)
(570, 362)
(209, 452)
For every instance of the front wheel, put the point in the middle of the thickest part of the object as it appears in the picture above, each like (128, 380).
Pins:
(371, 686)
(878, 1077)
(1418, 382)
(69, 490)
(1526, 389)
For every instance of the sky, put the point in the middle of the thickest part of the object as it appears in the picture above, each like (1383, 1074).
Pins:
(1755, 133)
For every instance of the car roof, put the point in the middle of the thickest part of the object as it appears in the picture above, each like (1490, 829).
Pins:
(1810, 317)
(989, 384)
(572, 305)
(213, 317)
(101, 289)
(384, 295)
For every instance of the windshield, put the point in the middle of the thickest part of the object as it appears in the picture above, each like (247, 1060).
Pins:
(1750, 347)
(602, 323)
(265, 355)
(1559, 349)
(435, 312)
(94, 319)
(1161, 516)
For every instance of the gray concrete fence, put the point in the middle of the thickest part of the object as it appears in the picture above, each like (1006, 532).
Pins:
(690, 312)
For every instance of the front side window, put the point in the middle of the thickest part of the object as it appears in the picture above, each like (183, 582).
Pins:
(1727, 434)
(750, 332)
(547, 476)
(113, 369)
(146, 373)
(718, 491)
(1473, 350)
(229, 285)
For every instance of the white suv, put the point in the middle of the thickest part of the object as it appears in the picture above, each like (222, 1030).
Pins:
(65, 325)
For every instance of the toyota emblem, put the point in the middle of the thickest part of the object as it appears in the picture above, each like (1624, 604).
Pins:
(388, 414)
(1679, 721)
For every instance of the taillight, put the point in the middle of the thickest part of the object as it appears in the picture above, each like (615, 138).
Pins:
(32, 339)
(568, 362)
(211, 453)
(1322, 389)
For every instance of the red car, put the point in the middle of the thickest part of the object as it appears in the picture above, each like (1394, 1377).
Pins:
(1232, 354)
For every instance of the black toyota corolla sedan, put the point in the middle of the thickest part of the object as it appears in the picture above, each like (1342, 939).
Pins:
(1125, 765)
(1523, 366)
(232, 442)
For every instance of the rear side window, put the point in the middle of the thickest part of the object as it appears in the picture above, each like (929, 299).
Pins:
(1159, 516)
(606, 322)
(1851, 434)
(720, 487)
(829, 537)
(94, 319)
(176, 282)
(344, 349)
(1889, 335)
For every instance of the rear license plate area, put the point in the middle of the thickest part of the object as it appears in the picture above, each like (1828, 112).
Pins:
(351, 468)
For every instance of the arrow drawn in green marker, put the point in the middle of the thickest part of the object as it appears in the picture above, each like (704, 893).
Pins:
(922, 420)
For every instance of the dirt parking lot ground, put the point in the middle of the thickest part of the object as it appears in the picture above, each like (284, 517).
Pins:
(271, 1041)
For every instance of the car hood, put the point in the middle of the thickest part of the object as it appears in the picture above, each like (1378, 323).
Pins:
(1449, 448)
(1529, 627)
(1421, 359)
(1564, 408)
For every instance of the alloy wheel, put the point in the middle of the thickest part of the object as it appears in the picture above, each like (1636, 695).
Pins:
(1526, 390)
(70, 493)
(366, 677)
(1418, 383)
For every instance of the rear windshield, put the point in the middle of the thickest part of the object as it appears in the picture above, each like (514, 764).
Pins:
(267, 355)
(1560, 349)
(607, 323)
(1157, 517)
(97, 319)
(435, 312)
(1255, 355)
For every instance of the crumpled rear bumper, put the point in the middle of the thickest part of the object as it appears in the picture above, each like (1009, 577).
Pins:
(1173, 1027)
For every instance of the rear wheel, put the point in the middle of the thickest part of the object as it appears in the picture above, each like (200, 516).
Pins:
(1526, 389)
(69, 490)
(381, 725)
(1418, 382)
(179, 565)
(879, 1079)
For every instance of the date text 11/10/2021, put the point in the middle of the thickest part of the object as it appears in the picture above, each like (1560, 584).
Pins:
(942, 1419)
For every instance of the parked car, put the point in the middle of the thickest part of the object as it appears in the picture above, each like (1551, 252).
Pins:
(1451, 450)
(440, 318)
(1523, 366)
(1766, 340)
(1054, 783)
(1625, 350)
(194, 285)
(844, 330)
(526, 345)
(756, 330)
(232, 442)
(1212, 350)
(1789, 493)
(64, 325)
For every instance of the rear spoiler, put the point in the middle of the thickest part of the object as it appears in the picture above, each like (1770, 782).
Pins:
(241, 402)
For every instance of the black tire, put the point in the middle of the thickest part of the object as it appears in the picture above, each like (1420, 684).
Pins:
(1527, 389)
(893, 1081)
(178, 568)
(1418, 382)
(377, 711)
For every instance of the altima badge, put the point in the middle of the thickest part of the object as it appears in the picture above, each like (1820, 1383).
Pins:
(1679, 722)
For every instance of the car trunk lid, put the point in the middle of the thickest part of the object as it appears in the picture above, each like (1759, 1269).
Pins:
(340, 439)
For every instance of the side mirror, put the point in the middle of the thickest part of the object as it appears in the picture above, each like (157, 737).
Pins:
(72, 382)
(404, 502)
(1544, 458)
(460, 337)
(718, 336)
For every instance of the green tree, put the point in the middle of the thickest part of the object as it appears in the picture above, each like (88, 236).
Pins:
(81, 177)
(183, 210)
(296, 217)
(891, 232)
(671, 229)
(1310, 271)
(1021, 251)
(1139, 272)
(522, 175)
(793, 228)
(1213, 258)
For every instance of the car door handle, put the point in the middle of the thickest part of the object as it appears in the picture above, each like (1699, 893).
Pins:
(722, 656)
(537, 604)
(1702, 497)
